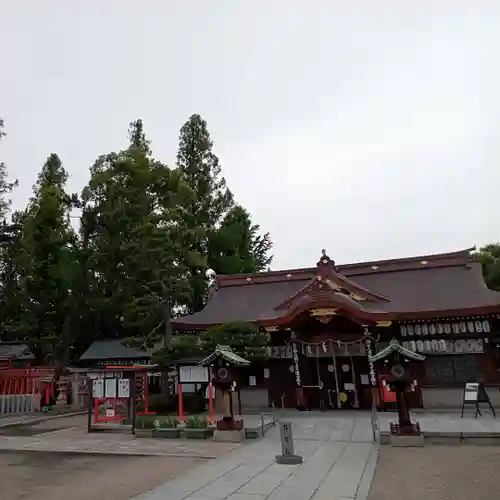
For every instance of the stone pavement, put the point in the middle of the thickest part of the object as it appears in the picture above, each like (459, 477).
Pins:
(339, 463)
(446, 424)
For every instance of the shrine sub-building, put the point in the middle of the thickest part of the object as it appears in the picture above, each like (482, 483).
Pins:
(318, 318)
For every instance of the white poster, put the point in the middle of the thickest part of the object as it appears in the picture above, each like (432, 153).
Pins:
(471, 391)
(124, 388)
(98, 388)
(252, 380)
(266, 372)
(110, 388)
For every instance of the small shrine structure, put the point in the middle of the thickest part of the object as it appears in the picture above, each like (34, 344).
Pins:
(222, 363)
(397, 360)
(118, 381)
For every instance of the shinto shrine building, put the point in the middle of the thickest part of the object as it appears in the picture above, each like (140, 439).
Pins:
(317, 319)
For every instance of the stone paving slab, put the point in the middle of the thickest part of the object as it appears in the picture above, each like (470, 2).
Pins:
(356, 425)
(334, 467)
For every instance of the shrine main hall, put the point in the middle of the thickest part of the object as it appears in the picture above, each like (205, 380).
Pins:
(318, 319)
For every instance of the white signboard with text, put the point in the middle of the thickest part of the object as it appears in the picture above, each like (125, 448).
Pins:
(193, 374)
(471, 392)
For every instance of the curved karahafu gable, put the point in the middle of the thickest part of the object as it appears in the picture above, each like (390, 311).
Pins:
(395, 346)
(227, 354)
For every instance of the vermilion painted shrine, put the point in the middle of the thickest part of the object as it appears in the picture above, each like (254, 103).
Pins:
(317, 319)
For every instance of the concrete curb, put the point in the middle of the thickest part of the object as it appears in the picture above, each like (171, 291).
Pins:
(453, 438)
(37, 420)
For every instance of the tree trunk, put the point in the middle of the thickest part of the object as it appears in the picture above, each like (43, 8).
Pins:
(64, 354)
(167, 315)
(167, 333)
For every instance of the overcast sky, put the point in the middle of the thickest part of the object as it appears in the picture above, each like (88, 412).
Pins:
(369, 128)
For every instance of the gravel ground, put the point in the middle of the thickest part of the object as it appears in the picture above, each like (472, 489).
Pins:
(45, 426)
(437, 473)
(59, 476)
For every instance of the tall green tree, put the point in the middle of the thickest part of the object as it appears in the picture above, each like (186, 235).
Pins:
(47, 262)
(212, 199)
(5, 186)
(237, 246)
(133, 209)
(137, 137)
(489, 256)
(12, 296)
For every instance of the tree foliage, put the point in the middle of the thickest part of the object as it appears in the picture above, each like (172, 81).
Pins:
(46, 262)
(245, 339)
(146, 236)
(212, 199)
(237, 246)
(489, 256)
(133, 209)
(5, 186)
(182, 347)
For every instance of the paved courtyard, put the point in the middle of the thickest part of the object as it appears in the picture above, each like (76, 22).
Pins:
(339, 462)
(337, 448)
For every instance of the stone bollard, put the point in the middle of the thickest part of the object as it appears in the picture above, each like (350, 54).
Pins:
(287, 456)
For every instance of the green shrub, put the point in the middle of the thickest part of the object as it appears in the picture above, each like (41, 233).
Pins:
(196, 423)
(166, 423)
(143, 422)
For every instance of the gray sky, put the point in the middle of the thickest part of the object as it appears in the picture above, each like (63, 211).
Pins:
(368, 127)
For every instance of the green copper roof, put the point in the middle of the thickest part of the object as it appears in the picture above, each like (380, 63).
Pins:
(395, 346)
(225, 352)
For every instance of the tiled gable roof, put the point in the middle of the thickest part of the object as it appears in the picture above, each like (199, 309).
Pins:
(410, 288)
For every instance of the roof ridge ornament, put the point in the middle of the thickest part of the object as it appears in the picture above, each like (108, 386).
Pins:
(325, 260)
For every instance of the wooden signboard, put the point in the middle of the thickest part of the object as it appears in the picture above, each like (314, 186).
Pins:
(474, 394)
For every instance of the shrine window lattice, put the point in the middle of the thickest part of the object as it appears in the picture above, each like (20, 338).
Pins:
(451, 369)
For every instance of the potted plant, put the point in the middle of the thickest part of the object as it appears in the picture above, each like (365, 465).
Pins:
(196, 428)
(166, 427)
(144, 427)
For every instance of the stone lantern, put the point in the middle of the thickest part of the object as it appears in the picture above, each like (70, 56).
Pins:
(398, 358)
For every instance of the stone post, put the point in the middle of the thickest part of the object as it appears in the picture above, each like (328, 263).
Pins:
(288, 455)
